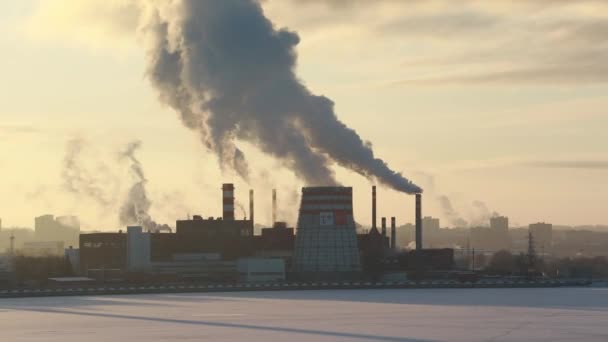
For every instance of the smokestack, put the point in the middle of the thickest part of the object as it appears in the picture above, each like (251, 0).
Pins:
(384, 227)
(393, 234)
(374, 207)
(251, 217)
(228, 201)
(418, 222)
(274, 206)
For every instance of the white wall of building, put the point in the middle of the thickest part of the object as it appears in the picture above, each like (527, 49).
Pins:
(138, 250)
(255, 270)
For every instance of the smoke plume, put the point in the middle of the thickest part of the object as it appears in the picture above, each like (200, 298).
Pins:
(78, 180)
(481, 214)
(229, 73)
(450, 213)
(135, 208)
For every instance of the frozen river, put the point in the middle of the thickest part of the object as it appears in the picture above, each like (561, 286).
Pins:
(554, 314)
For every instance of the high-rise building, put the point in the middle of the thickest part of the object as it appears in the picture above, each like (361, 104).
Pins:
(63, 228)
(542, 233)
(430, 224)
(500, 223)
(326, 240)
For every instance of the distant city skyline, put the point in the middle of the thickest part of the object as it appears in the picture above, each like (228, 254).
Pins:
(497, 107)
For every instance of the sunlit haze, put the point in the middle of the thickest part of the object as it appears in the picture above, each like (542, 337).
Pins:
(499, 106)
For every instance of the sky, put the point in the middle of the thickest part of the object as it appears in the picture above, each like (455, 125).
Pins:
(498, 106)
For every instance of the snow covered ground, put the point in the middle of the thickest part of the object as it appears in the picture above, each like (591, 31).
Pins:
(554, 314)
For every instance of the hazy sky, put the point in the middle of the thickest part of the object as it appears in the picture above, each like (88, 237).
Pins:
(503, 102)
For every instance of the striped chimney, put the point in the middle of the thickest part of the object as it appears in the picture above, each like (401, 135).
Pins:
(228, 201)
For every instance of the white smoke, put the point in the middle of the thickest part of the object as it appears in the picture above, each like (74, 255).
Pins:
(136, 206)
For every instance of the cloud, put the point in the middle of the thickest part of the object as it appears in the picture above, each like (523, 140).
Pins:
(591, 163)
(570, 164)
(415, 43)
(479, 42)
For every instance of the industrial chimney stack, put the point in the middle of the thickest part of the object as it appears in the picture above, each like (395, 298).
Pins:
(384, 227)
(418, 222)
(374, 208)
(393, 234)
(228, 201)
(274, 206)
(251, 217)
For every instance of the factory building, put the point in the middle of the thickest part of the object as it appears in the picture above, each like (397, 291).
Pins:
(325, 246)
(326, 241)
(260, 270)
(103, 255)
(199, 250)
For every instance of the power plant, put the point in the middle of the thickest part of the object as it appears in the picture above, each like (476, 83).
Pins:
(324, 245)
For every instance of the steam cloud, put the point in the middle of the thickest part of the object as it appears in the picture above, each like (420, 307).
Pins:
(136, 206)
(230, 74)
(479, 216)
(77, 179)
(450, 213)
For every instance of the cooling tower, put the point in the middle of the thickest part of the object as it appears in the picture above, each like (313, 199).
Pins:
(326, 241)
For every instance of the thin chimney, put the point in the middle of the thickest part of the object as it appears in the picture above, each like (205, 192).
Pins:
(374, 208)
(384, 227)
(228, 201)
(251, 211)
(393, 234)
(418, 222)
(274, 206)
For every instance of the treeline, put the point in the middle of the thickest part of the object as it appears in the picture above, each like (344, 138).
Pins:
(504, 263)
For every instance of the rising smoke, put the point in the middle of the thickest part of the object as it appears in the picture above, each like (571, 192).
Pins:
(479, 215)
(229, 73)
(78, 180)
(453, 217)
(136, 206)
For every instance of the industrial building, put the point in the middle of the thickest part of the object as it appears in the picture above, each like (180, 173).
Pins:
(201, 249)
(325, 246)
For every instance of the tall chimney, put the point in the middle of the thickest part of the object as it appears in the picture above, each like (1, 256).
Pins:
(393, 234)
(418, 222)
(374, 208)
(384, 227)
(228, 201)
(274, 206)
(251, 206)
